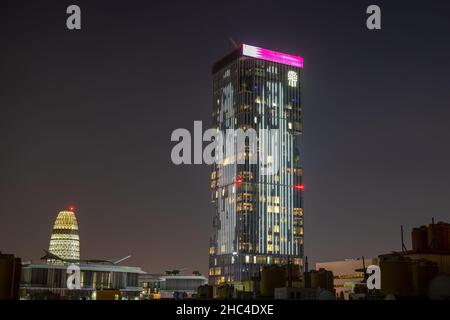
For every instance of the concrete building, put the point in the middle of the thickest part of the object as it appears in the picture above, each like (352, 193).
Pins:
(157, 286)
(404, 277)
(432, 243)
(347, 274)
(10, 268)
(420, 272)
(322, 278)
(49, 281)
(289, 293)
(409, 274)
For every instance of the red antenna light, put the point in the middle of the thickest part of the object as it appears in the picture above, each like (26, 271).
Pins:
(299, 187)
(72, 208)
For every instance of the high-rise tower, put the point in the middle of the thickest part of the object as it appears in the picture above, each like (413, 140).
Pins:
(258, 218)
(65, 241)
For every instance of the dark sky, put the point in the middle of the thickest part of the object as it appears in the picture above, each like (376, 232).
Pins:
(86, 118)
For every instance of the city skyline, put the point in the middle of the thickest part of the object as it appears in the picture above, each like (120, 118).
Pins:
(86, 120)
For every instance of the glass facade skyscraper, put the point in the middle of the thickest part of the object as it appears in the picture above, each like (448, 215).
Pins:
(258, 217)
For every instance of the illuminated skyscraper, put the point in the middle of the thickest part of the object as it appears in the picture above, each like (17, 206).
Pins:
(65, 241)
(258, 218)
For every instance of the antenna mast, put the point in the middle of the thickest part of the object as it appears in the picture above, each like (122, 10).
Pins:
(233, 42)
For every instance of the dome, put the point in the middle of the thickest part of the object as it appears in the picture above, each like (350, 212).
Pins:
(65, 241)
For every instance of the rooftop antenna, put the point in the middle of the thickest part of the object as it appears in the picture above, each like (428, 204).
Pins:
(432, 234)
(404, 250)
(233, 42)
(306, 275)
(364, 270)
(289, 272)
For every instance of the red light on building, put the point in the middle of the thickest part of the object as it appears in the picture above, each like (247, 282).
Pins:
(299, 187)
(239, 180)
(72, 208)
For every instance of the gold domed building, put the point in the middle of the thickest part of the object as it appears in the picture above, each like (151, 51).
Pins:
(65, 241)
(48, 280)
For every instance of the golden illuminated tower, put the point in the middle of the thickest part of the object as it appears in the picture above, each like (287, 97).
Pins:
(65, 241)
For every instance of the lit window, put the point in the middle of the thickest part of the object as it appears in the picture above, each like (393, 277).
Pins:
(292, 78)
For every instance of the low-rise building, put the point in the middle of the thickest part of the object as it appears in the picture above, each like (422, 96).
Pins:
(157, 286)
(290, 293)
(49, 280)
(9, 277)
(348, 274)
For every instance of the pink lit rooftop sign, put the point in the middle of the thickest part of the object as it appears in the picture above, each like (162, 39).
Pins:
(274, 56)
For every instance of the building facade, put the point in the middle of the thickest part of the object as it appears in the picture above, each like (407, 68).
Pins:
(64, 275)
(65, 241)
(49, 281)
(10, 268)
(348, 274)
(257, 189)
(156, 286)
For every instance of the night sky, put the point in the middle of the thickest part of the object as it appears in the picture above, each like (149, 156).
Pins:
(86, 118)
